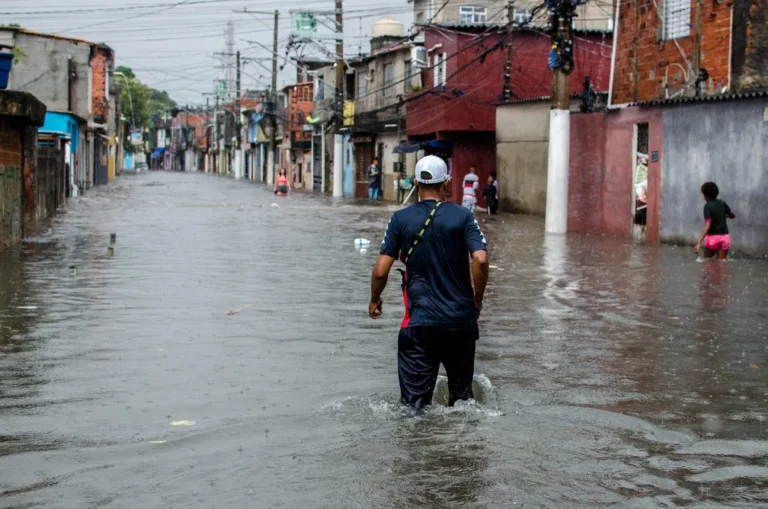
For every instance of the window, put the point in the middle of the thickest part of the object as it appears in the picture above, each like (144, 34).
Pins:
(469, 15)
(522, 16)
(412, 78)
(387, 90)
(676, 19)
(430, 10)
(362, 85)
(408, 76)
(320, 88)
(439, 70)
(350, 86)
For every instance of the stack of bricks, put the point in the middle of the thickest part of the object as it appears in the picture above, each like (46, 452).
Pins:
(665, 64)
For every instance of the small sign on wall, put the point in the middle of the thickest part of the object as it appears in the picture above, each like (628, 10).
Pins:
(765, 114)
(655, 156)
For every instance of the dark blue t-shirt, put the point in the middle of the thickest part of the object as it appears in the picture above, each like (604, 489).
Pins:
(439, 286)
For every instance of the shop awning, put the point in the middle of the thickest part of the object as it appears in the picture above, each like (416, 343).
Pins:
(158, 152)
(440, 145)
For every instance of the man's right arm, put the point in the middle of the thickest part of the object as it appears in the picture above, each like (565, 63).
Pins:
(390, 250)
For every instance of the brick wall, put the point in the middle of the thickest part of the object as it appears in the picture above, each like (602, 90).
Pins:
(10, 183)
(668, 64)
(600, 188)
(99, 67)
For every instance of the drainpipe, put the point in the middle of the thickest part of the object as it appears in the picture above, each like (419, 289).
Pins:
(613, 53)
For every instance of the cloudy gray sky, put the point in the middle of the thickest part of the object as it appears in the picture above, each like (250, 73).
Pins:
(172, 44)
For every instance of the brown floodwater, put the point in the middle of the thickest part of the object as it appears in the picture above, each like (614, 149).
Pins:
(223, 358)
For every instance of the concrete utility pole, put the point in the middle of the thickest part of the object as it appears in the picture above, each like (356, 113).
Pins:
(273, 137)
(508, 64)
(561, 63)
(238, 122)
(216, 164)
(338, 139)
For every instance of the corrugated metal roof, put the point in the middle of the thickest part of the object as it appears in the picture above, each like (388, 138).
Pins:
(733, 96)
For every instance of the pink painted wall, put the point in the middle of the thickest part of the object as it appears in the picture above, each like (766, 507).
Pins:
(601, 169)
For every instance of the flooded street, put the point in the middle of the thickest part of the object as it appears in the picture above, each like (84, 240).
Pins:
(223, 357)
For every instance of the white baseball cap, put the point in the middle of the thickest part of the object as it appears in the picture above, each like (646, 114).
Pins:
(431, 170)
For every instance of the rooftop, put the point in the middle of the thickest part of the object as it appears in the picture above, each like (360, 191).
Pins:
(56, 36)
(728, 96)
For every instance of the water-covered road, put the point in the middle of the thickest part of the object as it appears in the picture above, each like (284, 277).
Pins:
(223, 358)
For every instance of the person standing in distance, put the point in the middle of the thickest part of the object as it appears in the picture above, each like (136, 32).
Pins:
(374, 180)
(471, 185)
(435, 240)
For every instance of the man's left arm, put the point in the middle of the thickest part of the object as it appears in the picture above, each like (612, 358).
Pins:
(480, 265)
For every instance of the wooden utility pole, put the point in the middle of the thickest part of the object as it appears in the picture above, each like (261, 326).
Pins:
(338, 139)
(507, 92)
(339, 63)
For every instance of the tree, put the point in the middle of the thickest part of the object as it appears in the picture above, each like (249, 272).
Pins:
(127, 71)
(139, 101)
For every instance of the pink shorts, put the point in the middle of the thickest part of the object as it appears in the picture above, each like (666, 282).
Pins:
(718, 242)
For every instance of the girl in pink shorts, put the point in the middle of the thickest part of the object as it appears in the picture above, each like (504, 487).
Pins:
(717, 240)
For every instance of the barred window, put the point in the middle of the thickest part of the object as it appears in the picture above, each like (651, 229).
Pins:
(677, 19)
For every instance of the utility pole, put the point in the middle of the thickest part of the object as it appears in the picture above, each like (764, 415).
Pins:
(507, 92)
(273, 136)
(216, 165)
(338, 139)
(273, 93)
(561, 63)
(238, 122)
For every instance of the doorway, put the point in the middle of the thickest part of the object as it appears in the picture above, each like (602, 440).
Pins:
(639, 212)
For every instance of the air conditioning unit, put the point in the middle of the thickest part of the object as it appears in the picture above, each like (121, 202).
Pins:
(419, 58)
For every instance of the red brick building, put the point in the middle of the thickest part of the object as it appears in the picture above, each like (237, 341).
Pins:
(669, 48)
(465, 79)
(102, 66)
(297, 133)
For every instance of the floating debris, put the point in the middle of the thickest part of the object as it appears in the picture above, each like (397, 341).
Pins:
(183, 423)
(238, 310)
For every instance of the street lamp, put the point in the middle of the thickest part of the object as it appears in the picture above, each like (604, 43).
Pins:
(130, 98)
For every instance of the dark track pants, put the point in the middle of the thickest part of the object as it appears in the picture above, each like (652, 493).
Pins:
(420, 352)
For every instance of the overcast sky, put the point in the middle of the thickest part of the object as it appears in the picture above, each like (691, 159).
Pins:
(171, 44)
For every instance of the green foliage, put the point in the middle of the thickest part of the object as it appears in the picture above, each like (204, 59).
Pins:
(18, 55)
(139, 101)
(125, 70)
(11, 25)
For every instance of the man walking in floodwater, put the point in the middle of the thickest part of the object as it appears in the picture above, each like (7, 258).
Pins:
(435, 241)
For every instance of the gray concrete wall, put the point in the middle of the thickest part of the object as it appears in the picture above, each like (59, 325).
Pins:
(522, 146)
(44, 72)
(723, 142)
(522, 142)
(375, 97)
